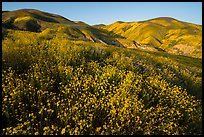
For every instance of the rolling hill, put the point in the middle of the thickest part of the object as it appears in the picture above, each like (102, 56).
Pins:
(164, 34)
(52, 24)
(160, 34)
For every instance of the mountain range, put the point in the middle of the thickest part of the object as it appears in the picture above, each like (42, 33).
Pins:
(159, 34)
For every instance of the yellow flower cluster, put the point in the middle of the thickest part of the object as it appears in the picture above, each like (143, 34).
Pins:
(68, 87)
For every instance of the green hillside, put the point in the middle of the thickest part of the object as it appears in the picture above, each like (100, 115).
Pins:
(164, 33)
(77, 79)
(41, 16)
(46, 23)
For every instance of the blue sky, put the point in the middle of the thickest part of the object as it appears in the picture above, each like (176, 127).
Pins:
(109, 12)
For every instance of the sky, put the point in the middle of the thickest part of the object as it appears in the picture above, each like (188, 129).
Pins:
(109, 12)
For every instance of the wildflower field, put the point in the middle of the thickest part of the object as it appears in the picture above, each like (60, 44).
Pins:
(53, 85)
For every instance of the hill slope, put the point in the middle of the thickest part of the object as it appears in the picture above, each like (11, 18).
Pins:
(159, 34)
(59, 83)
(46, 23)
(162, 33)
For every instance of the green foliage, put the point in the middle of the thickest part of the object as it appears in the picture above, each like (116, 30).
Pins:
(57, 85)
(4, 33)
(173, 43)
(27, 23)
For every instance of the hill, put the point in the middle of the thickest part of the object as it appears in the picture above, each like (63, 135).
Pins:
(160, 34)
(164, 34)
(98, 25)
(51, 24)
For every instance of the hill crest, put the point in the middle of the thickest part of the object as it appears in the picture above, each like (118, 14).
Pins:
(158, 34)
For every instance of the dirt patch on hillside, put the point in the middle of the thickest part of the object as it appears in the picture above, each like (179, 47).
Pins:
(182, 49)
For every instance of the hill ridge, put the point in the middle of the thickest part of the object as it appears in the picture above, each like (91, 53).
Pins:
(156, 34)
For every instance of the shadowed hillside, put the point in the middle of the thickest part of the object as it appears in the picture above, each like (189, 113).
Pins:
(38, 21)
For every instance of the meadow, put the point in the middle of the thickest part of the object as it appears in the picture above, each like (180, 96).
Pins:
(55, 85)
